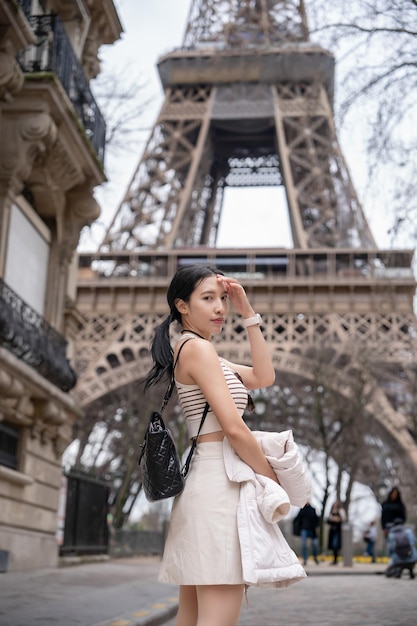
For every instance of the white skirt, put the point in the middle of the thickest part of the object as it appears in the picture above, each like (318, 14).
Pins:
(202, 546)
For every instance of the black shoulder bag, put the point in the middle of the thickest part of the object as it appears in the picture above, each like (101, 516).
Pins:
(159, 464)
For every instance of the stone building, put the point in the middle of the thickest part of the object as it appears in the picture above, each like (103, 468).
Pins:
(51, 159)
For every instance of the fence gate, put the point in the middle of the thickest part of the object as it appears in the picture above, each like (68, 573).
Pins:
(85, 530)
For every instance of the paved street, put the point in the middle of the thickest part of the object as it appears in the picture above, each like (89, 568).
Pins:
(334, 598)
(340, 600)
(86, 595)
(125, 593)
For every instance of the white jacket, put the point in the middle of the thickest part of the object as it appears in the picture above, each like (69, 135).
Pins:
(267, 559)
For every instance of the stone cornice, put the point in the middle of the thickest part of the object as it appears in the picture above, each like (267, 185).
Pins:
(36, 385)
(43, 407)
(109, 25)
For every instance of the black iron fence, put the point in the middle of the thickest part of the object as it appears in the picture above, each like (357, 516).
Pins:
(127, 542)
(53, 53)
(28, 336)
(86, 529)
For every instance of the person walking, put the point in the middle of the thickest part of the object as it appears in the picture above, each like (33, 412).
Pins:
(370, 536)
(308, 521)
(202, 551)
(393, 508)
(335, 520)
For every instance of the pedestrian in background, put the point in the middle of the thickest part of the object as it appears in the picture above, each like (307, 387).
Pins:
(402, 549)
(308, 521)
(335, 520)
(370, 536)
(393, 508)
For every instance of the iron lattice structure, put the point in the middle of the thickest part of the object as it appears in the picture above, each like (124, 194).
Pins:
(248, 102)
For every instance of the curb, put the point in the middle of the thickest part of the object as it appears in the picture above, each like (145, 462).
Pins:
(153, 617)
(72, 561)
(158, 618)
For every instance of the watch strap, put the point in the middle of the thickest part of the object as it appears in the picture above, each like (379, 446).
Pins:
(256, 320)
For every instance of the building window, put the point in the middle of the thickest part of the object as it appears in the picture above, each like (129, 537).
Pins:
(29, 278)
(9, 445)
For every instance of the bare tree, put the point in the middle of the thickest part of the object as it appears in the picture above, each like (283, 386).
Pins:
(329, 414)
(375, 45)
(124, 98)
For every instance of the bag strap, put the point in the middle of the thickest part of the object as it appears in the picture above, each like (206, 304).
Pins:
(186, 467)
(165, 401)
(171, 385)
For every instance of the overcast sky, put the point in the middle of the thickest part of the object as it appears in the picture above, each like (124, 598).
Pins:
(152, 29)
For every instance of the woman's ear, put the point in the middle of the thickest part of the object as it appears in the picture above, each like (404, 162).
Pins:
(181, 306)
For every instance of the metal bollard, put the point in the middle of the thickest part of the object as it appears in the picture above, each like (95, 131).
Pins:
(347, 544)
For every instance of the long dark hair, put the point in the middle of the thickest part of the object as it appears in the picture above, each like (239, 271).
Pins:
(392, 491)
(181, 287)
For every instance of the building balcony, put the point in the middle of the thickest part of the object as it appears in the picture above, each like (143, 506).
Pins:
(54, 54)
(31, 339)
(26, 6)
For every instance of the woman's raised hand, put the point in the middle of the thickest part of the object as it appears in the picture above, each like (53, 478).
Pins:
(237, 295)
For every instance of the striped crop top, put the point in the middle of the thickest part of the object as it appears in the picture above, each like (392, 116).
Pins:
(192, 403)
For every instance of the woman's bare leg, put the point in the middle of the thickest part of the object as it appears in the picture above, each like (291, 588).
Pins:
(187, 609)
(218, 605)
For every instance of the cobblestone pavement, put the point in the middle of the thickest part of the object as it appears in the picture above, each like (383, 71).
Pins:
(334, 599)
(125, 592)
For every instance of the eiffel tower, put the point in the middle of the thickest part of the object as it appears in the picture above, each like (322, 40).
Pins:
(248, 103)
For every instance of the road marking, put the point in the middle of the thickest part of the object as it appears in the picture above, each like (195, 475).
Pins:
(140, 613)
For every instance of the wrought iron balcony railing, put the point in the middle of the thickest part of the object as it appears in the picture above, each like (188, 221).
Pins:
(29, 337)
(53, 53)
(26, 6)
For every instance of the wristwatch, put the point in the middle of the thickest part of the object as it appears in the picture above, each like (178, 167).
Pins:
(252, 321)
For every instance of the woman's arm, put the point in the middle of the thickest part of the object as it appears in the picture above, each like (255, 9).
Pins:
(261, 373)
(200, 363)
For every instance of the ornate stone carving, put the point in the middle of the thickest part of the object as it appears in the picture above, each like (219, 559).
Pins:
(25, 140)
(10, 387)
(49, 181)
(11, 78)
(81, 210)
(91, 63)
(49, 412)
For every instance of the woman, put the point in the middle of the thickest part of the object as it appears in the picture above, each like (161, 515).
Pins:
(202, 552)
(392, 508)
(335, 520)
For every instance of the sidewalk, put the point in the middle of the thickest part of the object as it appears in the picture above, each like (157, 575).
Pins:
(119, 592)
